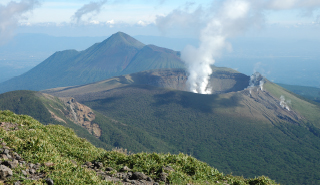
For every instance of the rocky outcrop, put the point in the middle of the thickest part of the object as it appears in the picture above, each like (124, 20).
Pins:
(126, 176)
(81, 115)
(12, 163)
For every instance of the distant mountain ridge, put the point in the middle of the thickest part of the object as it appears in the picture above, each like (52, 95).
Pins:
(117, 55)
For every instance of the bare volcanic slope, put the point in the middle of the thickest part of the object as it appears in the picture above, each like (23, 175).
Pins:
(117, 55)
(237, 131)
(222, 80)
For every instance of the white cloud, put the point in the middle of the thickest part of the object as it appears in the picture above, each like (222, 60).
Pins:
(110, 23)
(11, 14)
(180, 17)
(94, 22)
(87, 9)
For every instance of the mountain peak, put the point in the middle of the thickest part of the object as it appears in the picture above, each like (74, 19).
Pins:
(125, 38)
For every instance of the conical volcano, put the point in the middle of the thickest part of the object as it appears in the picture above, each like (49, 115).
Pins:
(117, 55)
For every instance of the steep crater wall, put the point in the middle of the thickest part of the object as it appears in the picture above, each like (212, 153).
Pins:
(221, 80)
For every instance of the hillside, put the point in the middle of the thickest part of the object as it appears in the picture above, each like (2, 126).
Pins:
(233, 130)
(311, 93)
(117, 55)
(54, 154)
(87, 123)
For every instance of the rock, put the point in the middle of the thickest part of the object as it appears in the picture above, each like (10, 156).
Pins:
(4, 156)
(11, 164)
(31, 165)
(98, 164)
(129, 175)
(89, 164)
(37, 166)
(5, 172)
(125, 169)
(17, 156)
(126, 180)
(6, 151)
(9, 156)
(24, 173)
(17, 183)
(155, 183)
(167, 168)
(49, 181)
(32, 171)
(163, 176)
(139, 176)
(49, 164)
(109, 169)
(149, 179)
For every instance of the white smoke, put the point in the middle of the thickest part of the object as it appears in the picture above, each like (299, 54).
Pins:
(229, 18)
(261, 83)
(213, 42)
(256, 79)
(11, 14)
(284, 103)
(90, 8)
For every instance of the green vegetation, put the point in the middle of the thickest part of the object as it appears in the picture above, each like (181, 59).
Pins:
(307, 108)
(221, 130)
(311, 93)
(36, 105)
(200, 125)
(38, 143)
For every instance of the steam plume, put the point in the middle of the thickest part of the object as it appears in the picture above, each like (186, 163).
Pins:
(10, 15)
(231, 18)
(256, 79)
(92, 7)
(284, 103)
(212, 43)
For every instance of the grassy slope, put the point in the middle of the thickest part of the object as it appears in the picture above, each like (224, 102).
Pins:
(34, 104)
(201, 126)
(115, 134)
(37, 143)
(311, 93)
(307, 108)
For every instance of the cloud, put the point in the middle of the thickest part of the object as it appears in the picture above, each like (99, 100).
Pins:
(110, 23)
(180, 17)
(293, 4)
(142, 23)
(11, 14)
(90, 8)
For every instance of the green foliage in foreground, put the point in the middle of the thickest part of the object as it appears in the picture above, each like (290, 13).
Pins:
(38, 143)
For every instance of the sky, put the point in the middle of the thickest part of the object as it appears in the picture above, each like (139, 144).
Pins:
(147, 17)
